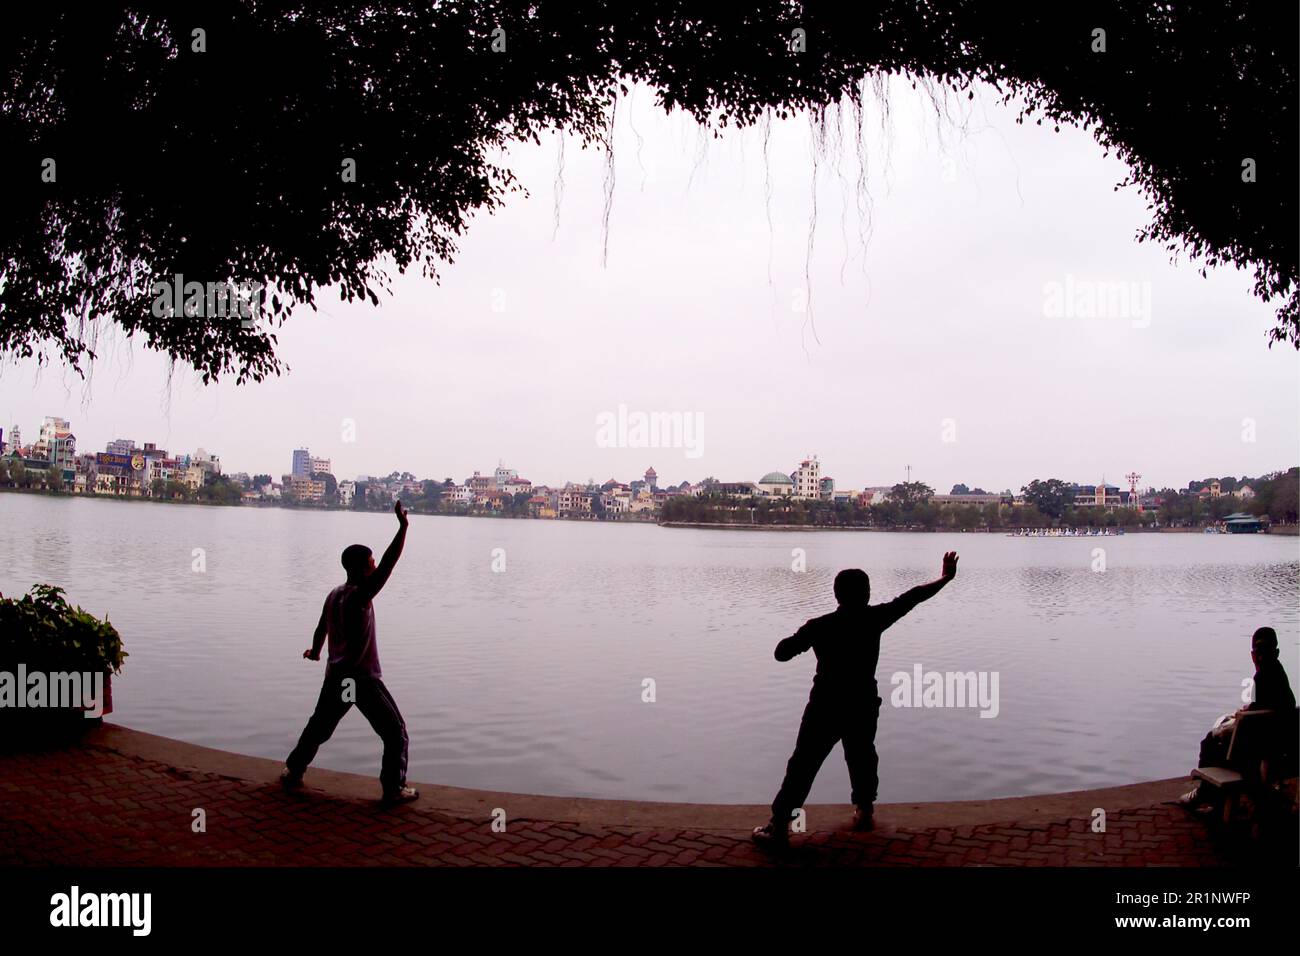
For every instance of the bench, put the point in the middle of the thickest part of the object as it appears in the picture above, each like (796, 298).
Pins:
(1261, 759)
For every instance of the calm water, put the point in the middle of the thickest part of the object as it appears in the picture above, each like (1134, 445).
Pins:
(531, 679)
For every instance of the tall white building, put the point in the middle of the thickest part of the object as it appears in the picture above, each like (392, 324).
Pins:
(58, 445)
(808, 479)
(504, 475)
(51, 428)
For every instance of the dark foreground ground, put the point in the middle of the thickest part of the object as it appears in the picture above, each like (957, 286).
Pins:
(122, 797)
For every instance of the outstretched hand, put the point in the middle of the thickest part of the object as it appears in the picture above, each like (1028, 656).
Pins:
(950, 565)
(400, 512)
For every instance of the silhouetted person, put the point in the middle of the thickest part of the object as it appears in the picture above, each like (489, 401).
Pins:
(844, 705)
(352, 673)
(1272, 692)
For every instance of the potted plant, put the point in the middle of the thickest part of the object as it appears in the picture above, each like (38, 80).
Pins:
(41, 634)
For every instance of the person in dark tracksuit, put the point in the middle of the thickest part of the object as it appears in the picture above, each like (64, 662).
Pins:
(352, 673)
(844, 705)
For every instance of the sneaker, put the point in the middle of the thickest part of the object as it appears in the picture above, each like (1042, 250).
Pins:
(864, 820)
(771, 837)
(402, 794)
(290, 780)
(1192, 798)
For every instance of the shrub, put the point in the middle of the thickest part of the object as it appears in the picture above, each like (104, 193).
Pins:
(42, 632)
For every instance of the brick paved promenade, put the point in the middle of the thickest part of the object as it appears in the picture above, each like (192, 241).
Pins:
(127, 798)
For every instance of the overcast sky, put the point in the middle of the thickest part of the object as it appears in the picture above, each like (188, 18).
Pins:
(943, 348)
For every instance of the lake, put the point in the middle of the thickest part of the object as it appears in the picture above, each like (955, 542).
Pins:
(530, 677)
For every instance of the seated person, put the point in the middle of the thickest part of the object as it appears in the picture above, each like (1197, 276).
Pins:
(1272, 692)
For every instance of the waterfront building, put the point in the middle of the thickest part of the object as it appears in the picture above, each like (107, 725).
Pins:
(87, 473)
(1097, 496)
(301, 463)
(808, 478)
(1213, 490)
(119, 473)
(1241, 523)
(303, 489)
(574, 502)
(63, 455)
(490, 500)
(775, 483)
(642, 503)
(210, 464)
(503, 476)
(50, 429)
(109, 483)
(478, 484)
(347, 490)
(515, 485)
(57, 445)
(731, 489)
(458, 495)
(652, 479)
(1245, 492)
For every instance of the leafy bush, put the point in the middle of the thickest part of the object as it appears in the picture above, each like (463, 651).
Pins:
(44, 632)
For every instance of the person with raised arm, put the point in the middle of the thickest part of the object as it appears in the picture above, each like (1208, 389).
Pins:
(844, 705)
(352, 674)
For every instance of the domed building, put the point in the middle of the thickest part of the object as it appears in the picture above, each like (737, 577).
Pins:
(776, 483)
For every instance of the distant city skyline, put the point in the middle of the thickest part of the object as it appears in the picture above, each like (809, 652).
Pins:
(304, 463)
(961, 345)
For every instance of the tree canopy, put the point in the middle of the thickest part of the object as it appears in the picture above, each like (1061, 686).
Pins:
(213, 141)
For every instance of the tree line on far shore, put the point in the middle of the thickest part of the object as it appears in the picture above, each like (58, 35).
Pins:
(1047, 504)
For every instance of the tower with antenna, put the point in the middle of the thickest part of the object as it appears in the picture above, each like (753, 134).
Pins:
(1133, 479)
